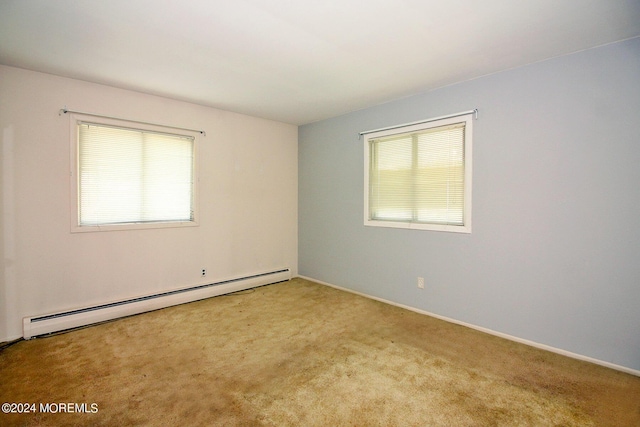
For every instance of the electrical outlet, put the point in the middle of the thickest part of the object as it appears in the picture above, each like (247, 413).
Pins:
(204, 272)
(421, 282)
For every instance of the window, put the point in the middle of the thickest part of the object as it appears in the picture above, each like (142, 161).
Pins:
(419, 176)
(132, 178)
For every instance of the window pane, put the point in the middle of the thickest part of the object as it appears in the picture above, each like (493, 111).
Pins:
(168, 179)
(419, 176)
(392, 176)
(440, 176)
(131, 176)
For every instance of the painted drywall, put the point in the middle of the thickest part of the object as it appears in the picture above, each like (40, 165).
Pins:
(247, 202)
(553, 256)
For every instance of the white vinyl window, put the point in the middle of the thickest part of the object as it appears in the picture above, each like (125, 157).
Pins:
(419, 176)
(132, 178)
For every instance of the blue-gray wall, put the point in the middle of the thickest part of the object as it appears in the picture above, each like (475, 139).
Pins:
(554, 256)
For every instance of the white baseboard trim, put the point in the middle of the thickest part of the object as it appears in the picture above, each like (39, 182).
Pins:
(9, 338)
(486, 330)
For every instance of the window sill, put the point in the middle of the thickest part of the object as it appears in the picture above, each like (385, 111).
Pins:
(132, 226)
(420, 226)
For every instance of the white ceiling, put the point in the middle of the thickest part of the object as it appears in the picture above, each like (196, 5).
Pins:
(299, 61)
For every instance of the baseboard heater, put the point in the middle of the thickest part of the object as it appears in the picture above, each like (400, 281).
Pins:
(45, 324)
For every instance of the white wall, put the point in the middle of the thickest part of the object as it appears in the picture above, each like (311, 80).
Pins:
(247, 200)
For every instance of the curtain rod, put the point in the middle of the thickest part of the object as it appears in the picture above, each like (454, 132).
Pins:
(65, 111)
(464, 113)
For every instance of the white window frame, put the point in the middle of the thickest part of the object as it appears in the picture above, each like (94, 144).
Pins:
(468, 172)
(74, 120)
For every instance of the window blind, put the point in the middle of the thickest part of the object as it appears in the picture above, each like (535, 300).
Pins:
(129, 175)
(418, 176)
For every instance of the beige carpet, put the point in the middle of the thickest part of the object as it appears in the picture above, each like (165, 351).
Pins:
(302, 354)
